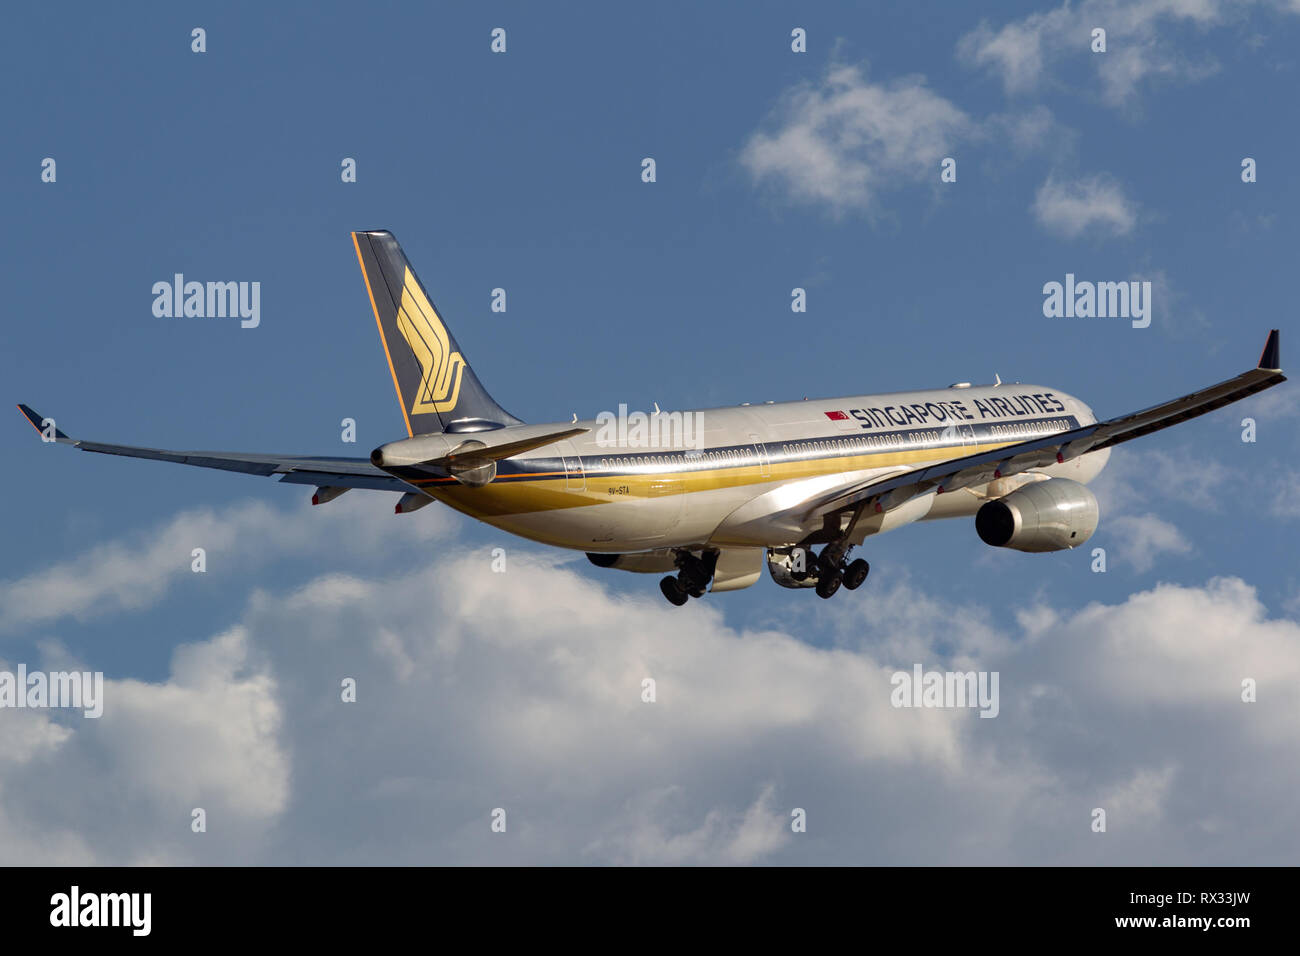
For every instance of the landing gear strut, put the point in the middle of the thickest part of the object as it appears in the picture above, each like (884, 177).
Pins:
(693, 576)
(833, 566)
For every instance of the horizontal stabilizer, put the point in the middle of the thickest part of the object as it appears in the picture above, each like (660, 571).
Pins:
(439, 451)
(474, 450)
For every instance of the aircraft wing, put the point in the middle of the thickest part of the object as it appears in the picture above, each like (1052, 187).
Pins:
(893, 490)
(336, 472)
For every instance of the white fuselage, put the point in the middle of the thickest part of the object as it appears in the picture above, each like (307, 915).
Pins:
(653, 484)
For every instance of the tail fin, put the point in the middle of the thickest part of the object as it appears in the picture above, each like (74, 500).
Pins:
(438, 390)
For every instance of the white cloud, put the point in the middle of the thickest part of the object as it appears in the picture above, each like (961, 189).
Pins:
(1144, 538)
(29, 733)
(1092, 205)
(1137, 475)
(137, 572)
(1136, 479)
(1141, 38)
(209, 737)
(211, 732)
(1286, 496)
(1139, 798)
(1273, 405)
(841, 142)
(523, 691)
(648, 835)
(844, 142)
(1030, 130)
(1176, 312)
(1015, 51)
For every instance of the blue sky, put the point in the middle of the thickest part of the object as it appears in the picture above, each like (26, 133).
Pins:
(522, 170)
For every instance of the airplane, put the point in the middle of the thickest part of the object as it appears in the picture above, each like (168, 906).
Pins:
(708, 497)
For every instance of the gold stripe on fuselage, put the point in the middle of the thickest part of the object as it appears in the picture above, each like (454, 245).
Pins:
(503, 498)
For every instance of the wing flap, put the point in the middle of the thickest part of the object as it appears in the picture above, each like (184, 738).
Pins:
(341, 480)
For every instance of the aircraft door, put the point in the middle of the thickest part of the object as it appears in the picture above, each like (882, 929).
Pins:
(760, 451)
(574, 477)
(958, 439)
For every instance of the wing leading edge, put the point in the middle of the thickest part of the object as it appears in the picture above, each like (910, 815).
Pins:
(887, 493)
(1038, 453)
(334, 472)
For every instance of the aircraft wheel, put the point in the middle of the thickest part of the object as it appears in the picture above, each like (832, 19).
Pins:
(855, 574)
(829, 584)
(673, 591)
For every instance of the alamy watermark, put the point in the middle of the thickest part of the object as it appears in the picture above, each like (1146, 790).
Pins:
(1101, 300)
(131, 911)
(38, 690)
(208, 300)
(650, 429)
(946, 689)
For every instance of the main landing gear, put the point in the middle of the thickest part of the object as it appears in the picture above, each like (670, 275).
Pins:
(833, 566)
(851, 575)
(692, 579)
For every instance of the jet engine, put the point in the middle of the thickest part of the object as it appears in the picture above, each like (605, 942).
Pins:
(641, 562)
(1052, 515)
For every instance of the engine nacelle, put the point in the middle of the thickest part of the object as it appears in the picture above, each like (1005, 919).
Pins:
(1052, 515)
(792, 567)
(660, 561)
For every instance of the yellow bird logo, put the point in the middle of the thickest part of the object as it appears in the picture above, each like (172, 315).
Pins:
(427, 336)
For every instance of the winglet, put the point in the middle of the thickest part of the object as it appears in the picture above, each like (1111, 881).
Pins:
(1271, 357)
(36, 420)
